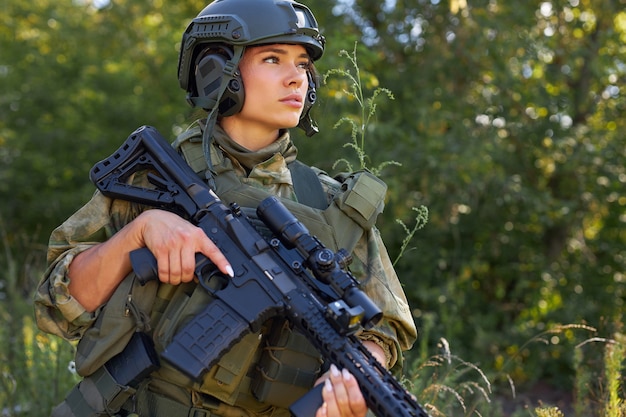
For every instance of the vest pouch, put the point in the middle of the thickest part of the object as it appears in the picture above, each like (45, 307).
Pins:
(362, 198)
(288, 367)
(126, 311)
(97, 395)
(226, 380)
(223, 381)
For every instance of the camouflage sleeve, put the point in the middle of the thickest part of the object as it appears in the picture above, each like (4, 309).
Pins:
(56, 311)
(371, 265)
(396, 332)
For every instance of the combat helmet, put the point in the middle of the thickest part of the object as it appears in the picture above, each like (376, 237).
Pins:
(215, 40)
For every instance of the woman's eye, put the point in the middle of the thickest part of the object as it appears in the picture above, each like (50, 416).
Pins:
(271, 60)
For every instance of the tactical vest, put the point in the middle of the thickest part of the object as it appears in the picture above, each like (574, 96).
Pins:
(264, 371)
(352, 205)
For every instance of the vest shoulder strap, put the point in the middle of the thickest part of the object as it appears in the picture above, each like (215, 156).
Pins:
(307, 185)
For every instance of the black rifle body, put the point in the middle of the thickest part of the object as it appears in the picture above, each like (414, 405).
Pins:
(292, 275)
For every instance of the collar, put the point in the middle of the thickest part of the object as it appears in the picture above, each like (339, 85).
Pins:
(250, 159)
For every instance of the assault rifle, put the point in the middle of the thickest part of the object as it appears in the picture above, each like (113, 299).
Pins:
(291, 274)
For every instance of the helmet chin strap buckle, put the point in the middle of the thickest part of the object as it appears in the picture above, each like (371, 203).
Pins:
(306, 124)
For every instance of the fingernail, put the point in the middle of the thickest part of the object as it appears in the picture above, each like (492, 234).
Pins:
(334, 370)
(346, 375)
(229, 270)
(328, 386)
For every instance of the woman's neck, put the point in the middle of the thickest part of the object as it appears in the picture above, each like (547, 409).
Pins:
(250, 137)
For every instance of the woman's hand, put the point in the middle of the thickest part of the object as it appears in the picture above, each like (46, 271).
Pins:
(174, 243)
(95, 273)
(342, 395)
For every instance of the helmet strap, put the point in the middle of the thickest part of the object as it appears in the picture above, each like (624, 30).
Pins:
(230, 69)
(306, 121)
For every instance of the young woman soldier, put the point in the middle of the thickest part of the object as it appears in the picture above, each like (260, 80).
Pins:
(249, 64)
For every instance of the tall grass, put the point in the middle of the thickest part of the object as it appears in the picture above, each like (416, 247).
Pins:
(448, 386)
(34, 372)
(599, 389)
(613, 359)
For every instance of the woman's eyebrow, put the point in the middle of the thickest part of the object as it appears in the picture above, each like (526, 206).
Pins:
(279, 50)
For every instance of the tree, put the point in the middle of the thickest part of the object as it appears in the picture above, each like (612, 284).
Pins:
(76, 81)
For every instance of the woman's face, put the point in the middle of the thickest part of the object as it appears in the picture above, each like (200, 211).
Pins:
(275, 84)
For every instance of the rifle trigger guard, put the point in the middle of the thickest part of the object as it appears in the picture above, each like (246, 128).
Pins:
(209, 276)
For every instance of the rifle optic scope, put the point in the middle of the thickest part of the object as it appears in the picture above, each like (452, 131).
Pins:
(324, 263)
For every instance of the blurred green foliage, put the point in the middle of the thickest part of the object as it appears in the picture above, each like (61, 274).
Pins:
(508, 121)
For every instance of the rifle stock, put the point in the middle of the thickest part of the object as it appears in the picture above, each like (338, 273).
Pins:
(292, 275)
